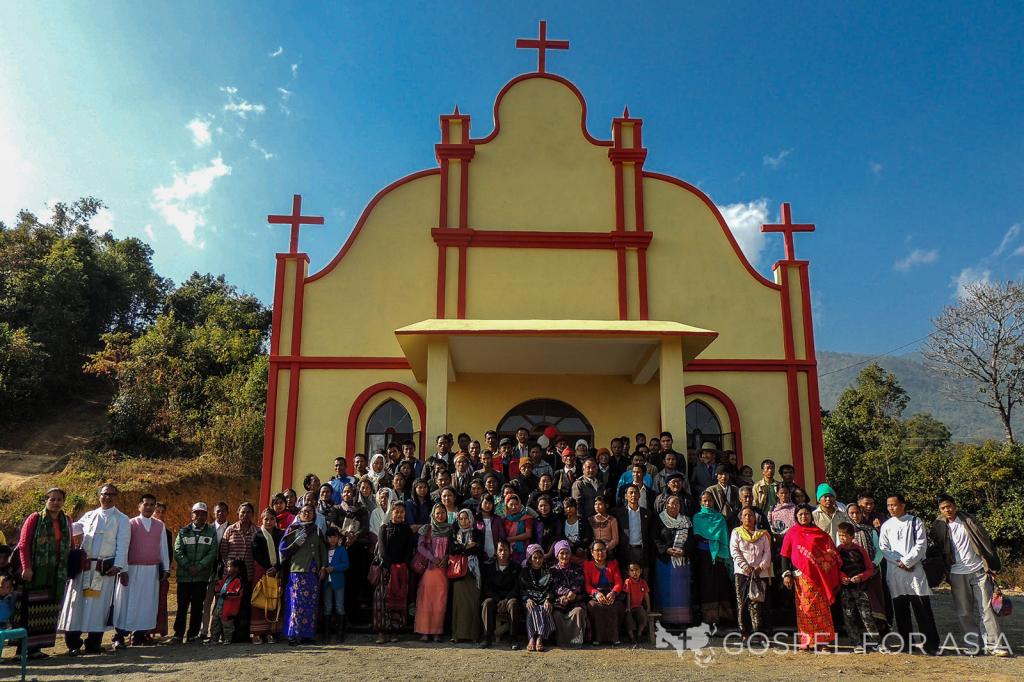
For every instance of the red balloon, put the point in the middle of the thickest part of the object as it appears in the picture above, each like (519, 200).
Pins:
(551, 432)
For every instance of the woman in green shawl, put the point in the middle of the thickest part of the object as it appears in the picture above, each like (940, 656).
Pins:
(44, 547)
(713, 565)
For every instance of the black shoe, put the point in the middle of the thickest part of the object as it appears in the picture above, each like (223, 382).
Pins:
(292, 641)
(486, 644)
(74, 652)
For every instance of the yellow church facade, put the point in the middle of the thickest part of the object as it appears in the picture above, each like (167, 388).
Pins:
(539, 276)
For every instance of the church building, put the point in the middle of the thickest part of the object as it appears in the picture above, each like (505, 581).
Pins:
(547, 278)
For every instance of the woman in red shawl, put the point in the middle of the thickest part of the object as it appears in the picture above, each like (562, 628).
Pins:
(811, 565)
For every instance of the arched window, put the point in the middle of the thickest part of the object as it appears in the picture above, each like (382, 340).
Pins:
(540, 413)
(389, 423)
(702, 425)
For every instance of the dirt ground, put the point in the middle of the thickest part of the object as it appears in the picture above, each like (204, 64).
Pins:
(443, 662)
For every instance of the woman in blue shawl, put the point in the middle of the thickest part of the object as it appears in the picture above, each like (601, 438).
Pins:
(713, 565)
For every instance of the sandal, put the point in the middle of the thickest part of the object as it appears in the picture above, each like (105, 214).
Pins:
(540, 646)
(530, 647)
(381, 639)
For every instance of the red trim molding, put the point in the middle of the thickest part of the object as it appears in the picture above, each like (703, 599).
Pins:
(730, 408)
(462, 152)
(539, 239)
(269, 431)
(337, 362)
(364, 397)
(365, 215)
(714, 365)
(549, 76)
(289, 429)
(721, 221)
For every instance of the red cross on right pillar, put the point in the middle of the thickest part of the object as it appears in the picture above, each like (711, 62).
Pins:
(793, 278)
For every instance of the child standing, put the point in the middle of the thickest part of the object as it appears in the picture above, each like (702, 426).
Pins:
(639, 604)
(334, 586)
(6, 601)
(856, 569)
(228, 593)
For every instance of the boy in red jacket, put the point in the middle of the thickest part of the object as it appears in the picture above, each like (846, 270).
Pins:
(229, 598)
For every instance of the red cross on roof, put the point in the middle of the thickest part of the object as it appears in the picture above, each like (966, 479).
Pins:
(541, 43)
(295, 220)
(787, 227)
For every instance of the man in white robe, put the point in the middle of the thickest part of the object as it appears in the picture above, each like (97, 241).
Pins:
(89, 596)
(903, 542)
(137, 595)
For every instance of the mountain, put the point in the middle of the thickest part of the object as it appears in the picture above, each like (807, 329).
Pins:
(967, 421)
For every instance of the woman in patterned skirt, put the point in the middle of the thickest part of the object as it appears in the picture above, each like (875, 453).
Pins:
(305, 551)
(811, 566)
(395, 546)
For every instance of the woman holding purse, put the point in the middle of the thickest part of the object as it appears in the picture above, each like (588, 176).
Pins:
(751, 552)
(265, 619)
(464, 572)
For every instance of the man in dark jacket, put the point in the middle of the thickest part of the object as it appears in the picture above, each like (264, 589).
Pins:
(195, 551)
(501, 594)
(633, 522)
(971, 560)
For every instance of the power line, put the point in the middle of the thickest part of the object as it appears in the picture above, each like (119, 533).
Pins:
(875, 357)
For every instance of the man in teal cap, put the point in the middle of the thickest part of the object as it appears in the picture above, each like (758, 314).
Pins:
(828, 516)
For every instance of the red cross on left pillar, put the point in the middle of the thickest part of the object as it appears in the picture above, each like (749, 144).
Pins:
(296, 219)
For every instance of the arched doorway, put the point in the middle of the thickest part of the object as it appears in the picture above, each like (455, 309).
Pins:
(538, 414)
(389, 423)
(702, 426)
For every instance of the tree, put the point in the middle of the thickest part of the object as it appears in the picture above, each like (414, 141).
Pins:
(864, 434)
(979, 345)
(22, 363)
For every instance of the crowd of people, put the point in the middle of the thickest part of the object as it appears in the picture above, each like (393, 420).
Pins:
(561, 545)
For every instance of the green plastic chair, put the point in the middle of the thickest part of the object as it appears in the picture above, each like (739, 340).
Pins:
(15, 635)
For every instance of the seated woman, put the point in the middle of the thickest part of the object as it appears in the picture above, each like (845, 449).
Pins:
(751, 551)
(570, 612)
(713, 565)
(603, 584)
(536, 591)
(467, 541)
(674, 540)
(432, 594)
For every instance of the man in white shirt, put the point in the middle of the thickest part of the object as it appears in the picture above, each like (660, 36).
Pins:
(903, 542)
(89, 595)
(971, 559)
(137, 595)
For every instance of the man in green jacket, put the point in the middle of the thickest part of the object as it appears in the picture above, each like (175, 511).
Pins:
(195, 551)
(971, 560)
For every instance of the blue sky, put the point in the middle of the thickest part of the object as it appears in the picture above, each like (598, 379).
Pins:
(897, 130)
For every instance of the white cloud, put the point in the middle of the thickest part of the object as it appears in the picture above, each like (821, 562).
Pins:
(267, 156)
(916, 257)
(20, 177)
(278, 52)
(285, 96)
(200, 130)
(1011, 234)
(103, 221)
(148, 229)
(774, 162)
(238, 105)
(745, 221)
(176, 202)
(295, 70)
(875, 168)
(970, 276)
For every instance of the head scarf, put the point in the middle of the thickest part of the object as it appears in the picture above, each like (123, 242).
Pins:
(710, 525)
(814, 554)
(530, 551)
(559, 546)
(378, 517)
(443, 529)
(373, 475)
